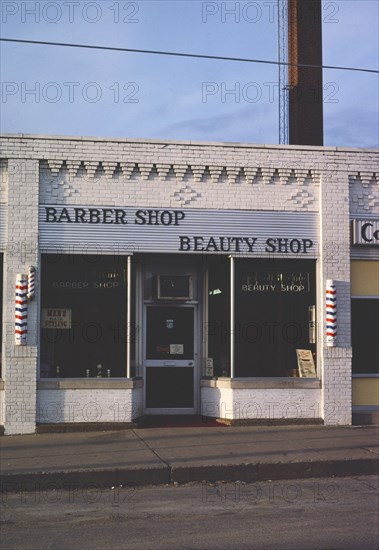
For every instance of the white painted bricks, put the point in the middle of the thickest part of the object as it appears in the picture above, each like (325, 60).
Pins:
(262, 404)
(66, 405)
(21, 250)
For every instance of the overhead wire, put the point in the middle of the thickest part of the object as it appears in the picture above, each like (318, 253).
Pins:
(184, 54)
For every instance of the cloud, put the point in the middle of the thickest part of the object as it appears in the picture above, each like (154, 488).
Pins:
(253, 123)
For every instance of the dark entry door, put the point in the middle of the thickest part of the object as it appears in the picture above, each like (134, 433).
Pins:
(170, 359)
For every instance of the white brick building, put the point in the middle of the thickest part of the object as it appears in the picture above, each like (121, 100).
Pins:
(147, 253)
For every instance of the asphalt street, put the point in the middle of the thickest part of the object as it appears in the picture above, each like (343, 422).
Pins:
(323, 514)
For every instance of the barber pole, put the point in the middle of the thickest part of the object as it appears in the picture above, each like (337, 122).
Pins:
(21, 310)
(331, 313)
(31, 282)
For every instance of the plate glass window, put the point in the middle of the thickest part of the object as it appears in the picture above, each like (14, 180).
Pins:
(274, 311)
(83, 316)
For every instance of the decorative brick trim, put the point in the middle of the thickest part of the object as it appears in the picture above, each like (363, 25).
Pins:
(182, 172)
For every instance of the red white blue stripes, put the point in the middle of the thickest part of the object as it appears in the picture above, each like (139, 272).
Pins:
(331, 313)
(31, 282)
(21, 310)
(25, 289)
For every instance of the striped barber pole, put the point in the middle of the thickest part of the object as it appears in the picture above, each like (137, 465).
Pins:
(21, 310)
(331, 313)
(31, 282)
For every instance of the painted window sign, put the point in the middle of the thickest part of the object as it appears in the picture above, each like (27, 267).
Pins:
(262, 281)
(88, 280)
(56, 318)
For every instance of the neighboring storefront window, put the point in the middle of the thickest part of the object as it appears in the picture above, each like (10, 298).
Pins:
(365, 316)
(365, 335)
(83, 316)
(274, 301)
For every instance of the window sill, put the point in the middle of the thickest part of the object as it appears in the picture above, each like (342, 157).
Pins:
(90, 384)
(262, 383)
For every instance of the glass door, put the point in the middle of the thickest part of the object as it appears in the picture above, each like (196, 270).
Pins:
(170, 359)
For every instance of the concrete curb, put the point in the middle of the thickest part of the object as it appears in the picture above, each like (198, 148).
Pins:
(275, 471)
(82, 479)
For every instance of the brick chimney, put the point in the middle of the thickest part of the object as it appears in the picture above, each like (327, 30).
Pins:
(305, 96)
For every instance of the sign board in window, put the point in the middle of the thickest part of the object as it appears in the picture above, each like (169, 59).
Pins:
(176, 349)
(305, 363)
(56, 318)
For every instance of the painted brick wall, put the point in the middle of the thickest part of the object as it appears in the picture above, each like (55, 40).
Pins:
(262, 404)
(182, 186)
(20, 362)
(364, 185)
(335, 264)
(111, 405)
(2, 406)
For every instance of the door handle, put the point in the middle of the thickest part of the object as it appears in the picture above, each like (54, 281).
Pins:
(312, 324)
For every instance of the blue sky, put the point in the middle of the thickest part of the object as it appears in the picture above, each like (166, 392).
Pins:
(52, 90)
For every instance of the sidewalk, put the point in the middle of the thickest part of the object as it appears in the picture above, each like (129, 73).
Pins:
(169, 455)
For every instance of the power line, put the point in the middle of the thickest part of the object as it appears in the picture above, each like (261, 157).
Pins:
(191, 55)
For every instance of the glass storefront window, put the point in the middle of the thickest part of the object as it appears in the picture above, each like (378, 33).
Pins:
(83, 316)
(274, 300)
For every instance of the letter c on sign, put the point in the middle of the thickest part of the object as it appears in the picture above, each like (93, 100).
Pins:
(363, 232)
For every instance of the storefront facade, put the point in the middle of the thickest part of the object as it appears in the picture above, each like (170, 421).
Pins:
(365, 309)
(179, 278)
